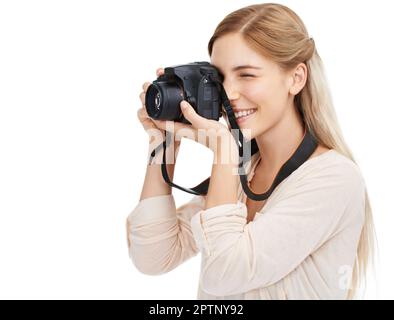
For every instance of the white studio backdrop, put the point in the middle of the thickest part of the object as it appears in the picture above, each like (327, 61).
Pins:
(73, 153)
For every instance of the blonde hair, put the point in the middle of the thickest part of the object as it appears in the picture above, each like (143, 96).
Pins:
(279, 34)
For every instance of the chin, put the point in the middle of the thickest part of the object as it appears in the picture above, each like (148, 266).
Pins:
(250, 131)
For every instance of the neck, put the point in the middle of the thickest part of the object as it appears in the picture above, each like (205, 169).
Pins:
(278, 144)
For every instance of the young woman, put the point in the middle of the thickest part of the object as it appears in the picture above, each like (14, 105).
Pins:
(313, 237)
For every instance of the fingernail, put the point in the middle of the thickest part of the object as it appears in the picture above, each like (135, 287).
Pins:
(183, 105)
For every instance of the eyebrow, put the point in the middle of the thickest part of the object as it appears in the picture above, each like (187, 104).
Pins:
(237, 68)
(245, 67)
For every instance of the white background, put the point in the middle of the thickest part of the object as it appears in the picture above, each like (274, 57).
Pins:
(73, 152)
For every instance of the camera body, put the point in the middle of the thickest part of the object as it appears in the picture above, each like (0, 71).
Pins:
(194, 82)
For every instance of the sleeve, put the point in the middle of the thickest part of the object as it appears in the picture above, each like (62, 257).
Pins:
(159, 235)
(238, 257)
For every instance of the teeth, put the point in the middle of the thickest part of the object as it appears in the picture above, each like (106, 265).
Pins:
(244, 113)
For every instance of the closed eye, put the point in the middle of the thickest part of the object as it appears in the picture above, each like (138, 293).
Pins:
(247, 75)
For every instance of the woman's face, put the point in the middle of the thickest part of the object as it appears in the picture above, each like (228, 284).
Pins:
(262, 89)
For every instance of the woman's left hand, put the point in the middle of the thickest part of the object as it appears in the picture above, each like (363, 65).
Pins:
(210, 133)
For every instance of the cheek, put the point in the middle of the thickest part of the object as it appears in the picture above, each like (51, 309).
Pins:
(269, 97)
(271, 102)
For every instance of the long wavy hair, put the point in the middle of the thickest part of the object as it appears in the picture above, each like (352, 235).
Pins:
(276, 32)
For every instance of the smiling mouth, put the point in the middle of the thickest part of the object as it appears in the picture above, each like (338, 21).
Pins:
(244, 113)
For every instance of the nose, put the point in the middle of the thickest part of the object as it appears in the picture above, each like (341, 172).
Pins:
(231, 91)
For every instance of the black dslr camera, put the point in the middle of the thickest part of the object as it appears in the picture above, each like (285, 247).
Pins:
(196, 82)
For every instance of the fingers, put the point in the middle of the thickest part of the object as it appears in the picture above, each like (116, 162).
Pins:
(161, 124)
(142, 114)
(142, 97)
(143, 117)
(143, 93)
(145, 86)
(159, 72)
(190, 114)
(180, 130)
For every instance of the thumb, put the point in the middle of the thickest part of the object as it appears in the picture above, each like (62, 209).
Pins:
(190, 114)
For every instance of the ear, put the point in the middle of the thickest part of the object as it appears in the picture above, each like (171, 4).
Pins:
(298, 78)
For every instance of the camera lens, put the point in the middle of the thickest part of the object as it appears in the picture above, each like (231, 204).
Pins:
(153, 101)
(162, 101)
(157, 101)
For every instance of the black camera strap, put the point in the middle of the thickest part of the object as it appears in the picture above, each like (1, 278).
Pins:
(246, 149)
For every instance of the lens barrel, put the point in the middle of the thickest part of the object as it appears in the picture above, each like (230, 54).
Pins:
(162, 100)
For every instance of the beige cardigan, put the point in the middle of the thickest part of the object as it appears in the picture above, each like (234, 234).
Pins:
(302, 245)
